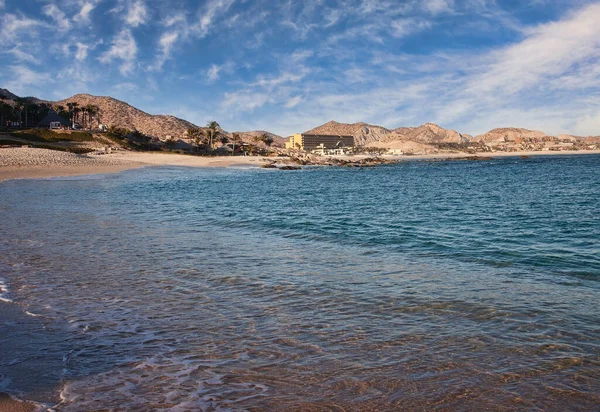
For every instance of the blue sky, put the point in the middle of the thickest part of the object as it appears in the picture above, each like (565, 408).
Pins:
(288, 66)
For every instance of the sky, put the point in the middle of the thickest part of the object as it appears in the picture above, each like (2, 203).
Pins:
(289, 66)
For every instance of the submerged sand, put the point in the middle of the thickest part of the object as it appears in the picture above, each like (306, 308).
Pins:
(27, 163)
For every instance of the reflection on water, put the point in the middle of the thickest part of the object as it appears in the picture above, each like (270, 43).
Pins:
(418, 286)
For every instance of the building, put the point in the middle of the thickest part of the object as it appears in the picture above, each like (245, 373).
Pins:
(310, 142)
(53, 121)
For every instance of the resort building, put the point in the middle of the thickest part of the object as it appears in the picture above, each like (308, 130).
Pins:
(310, 142)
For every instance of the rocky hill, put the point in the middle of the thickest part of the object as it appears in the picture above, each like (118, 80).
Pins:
(363, 133)
(508, 134)
(429, 133)
(367, 134)
(6, 95)
(247, 137)
(114, 112)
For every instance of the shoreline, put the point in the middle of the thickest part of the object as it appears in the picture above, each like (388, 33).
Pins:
(29, 163)
(9, 403)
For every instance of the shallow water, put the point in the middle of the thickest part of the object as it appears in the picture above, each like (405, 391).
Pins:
(422, 285)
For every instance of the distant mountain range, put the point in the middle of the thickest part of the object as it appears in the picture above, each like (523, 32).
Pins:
(113, 112)
(430, 135)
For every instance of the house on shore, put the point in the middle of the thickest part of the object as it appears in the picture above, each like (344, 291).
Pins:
(321, 142)
(53, 121)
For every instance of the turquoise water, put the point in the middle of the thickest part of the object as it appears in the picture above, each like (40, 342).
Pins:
(452, 285)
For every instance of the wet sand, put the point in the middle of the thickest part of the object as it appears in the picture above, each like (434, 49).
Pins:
(8, 404)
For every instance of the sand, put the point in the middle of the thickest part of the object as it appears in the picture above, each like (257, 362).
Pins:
(28, 163)
(8, 404)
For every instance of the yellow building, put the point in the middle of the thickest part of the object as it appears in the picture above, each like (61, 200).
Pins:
(309, 142)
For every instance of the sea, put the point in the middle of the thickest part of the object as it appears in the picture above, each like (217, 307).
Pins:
(424, 285)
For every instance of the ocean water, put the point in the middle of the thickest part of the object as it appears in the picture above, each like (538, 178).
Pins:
(419, 286)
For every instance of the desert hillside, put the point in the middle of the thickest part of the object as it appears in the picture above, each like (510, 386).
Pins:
(508, 134)
(363, 133)
(114, 112)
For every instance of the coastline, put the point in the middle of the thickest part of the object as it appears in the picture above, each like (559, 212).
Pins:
(30, 163)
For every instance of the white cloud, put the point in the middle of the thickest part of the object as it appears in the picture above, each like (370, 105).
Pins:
(22, 56)
(562, 52)
(82, 51)
(137, 14)
(2, 4)
(588, 125)
(293, 102)
(245, 100)
(13, 27)
(212, 11)
(213, 74)
(406, 27)
(438, 6)
(84, 12)
(59, 17)
(124, 48)
(24, 77)
(165, 47)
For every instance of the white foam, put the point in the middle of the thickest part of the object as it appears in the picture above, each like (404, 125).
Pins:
(35, 315)
(4, 292)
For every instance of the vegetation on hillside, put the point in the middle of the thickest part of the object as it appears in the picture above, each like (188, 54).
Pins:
(49, 136)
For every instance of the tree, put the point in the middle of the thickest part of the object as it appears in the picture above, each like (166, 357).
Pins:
(7, 114)
(195, 134)
(211, 132)
(72, 106)
(91, 110)
(235, 138)
(60, 109)
(266, 139)
(76, 111)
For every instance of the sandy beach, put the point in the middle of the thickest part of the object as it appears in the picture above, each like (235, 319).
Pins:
(31, 163)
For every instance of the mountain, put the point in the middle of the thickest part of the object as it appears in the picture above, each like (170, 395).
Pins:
(363, 133)
(117, 113)
(429, 133)
(508, 134)
(367, 134)
(114, 112)
(6, 95)
(247, 137)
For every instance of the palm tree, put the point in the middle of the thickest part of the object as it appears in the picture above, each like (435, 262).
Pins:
(6, 114)
(266, 139)
(212, 130)
(93, 114)
(20, 106)
(195, 134)
(235, 137)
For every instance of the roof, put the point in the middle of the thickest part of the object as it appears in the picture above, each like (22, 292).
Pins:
(52, 116)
